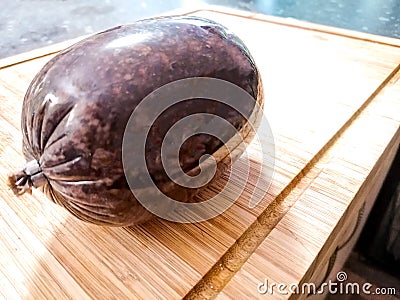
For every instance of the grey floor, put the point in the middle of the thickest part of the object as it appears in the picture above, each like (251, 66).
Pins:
(361, 270)
(28, 24)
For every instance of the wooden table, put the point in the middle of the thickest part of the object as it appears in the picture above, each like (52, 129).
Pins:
(333, 103)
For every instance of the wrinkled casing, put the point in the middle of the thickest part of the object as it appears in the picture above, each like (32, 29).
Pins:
(76, 109)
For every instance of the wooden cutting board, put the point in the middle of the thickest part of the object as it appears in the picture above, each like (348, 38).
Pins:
(333, 103)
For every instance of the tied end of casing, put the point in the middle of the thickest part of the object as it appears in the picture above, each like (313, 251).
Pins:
(31, 176)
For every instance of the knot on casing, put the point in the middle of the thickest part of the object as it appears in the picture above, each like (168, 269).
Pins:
(31, 176)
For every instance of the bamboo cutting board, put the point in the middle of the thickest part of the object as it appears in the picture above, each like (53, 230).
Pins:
(333, 103)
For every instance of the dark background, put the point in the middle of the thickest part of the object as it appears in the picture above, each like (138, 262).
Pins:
(29, 24)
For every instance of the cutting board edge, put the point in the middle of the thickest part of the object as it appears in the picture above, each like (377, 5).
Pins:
(289, 22)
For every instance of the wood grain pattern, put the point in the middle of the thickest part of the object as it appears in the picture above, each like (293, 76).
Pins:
(318, 86)
(348, 175)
